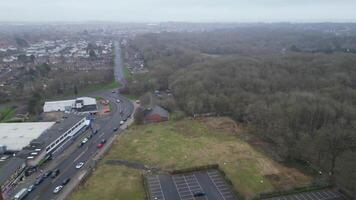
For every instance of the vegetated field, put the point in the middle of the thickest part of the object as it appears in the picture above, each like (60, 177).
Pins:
(6, 113)
(184, 144)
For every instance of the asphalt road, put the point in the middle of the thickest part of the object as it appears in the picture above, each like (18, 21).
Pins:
(118, 68)
(44, 191)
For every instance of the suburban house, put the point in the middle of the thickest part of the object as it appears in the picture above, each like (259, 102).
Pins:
(155, 114)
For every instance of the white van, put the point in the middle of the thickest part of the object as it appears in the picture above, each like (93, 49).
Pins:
(21, 194)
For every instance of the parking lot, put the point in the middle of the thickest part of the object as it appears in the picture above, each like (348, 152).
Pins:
(327, 194)
(207, 185)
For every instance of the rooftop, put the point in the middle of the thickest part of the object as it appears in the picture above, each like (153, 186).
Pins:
(58, 129)
(15, 136)
(157, 110)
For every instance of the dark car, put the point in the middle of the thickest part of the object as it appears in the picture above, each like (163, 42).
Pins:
(103, 141)
(47, 174)
(65, 181)
(95, 132)
(39, 180)
(198, 194)
(55, 173)
(115, 129)
(90, 136)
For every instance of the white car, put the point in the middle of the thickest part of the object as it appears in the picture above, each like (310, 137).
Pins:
(57, 189)
(122, 122)
(79, 165)
(118, 101)
(85, 140)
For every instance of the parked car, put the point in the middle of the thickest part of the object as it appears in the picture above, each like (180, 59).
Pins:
(122, 122)
(96, 131)
(47, 174)
(79, 165)
(55, 173)
(31, 188)
(57, 189)
(118, 101)
(99, 146)
(65, 181)
(198, 194)
(103, 141)
(115, 129)
(113, 91)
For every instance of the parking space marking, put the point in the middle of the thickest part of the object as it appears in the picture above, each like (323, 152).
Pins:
(155, 188)
(220, 185)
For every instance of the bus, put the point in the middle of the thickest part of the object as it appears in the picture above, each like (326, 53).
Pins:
(20, 195)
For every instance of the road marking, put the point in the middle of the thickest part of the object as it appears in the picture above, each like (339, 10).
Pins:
(79, 155)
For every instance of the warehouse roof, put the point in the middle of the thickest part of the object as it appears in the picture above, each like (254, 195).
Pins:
(15, 136)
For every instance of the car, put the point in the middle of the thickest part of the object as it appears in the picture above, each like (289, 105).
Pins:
(85, 140)
(122, 122)
(121, 111)
(96, 131)
(113, 91)
(79, 165)
(57, 189)
(198, 194)
(138, 101)
(65, 181)
(55, 173)
(39, 180)
(47, 174)
(125, 119)
(31, 188)
(103, 141)
(115, 129)
(118, 101)
(100, 145)
(90, 136)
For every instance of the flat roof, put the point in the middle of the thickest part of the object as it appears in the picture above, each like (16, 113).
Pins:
(58, 129)
(15, 136)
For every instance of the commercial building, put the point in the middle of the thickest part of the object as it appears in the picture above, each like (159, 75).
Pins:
(54, 138)
(15, 136)
(82, 104)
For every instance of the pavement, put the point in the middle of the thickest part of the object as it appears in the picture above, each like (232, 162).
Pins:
(68, 159)
(184, 186)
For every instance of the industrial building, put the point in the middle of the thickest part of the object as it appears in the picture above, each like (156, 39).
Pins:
(57, 136)
(15, 136)
(82, 104)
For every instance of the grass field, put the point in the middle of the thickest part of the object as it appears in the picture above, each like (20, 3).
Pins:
(7, 113)
(188, 143)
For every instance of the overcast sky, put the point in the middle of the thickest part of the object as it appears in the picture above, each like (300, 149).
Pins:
(179, 10)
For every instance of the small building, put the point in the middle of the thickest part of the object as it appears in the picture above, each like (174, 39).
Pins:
(82, 104)
(155, 114)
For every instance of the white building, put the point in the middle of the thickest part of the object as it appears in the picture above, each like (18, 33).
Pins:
(82, 104)
(15, 136)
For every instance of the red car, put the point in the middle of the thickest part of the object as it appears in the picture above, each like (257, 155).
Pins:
(99, 145)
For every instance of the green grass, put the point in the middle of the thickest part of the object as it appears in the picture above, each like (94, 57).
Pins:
(127, 73)
(112, 183)
(188, 143)
(7, 113)
(88, 90)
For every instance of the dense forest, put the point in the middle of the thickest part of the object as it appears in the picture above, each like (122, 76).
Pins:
(294, 87)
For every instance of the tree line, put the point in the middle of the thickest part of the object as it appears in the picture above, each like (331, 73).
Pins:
(301, 102)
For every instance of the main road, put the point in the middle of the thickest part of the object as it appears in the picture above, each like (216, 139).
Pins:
(68, 159)
(86, 153)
